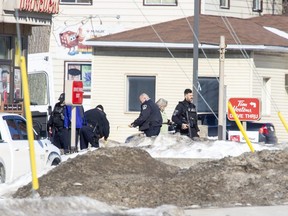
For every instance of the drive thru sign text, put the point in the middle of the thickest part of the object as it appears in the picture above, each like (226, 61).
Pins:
(247, 109)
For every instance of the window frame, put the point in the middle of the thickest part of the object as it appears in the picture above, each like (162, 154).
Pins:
(132, 97)
(255, 7)
(224, 6)
(286, 82)
(85, 67)
(160, 3)
(76, 3)
(265, 96)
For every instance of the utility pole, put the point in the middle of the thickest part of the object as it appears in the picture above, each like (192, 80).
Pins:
(195, 52)
(222, 99)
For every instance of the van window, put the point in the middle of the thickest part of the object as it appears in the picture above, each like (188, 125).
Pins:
(38, 89)
(17, 128)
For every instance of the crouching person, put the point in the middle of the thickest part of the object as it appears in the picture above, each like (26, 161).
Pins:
(95, 127)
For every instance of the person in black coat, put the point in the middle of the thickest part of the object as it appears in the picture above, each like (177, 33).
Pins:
(56, 125)
(185, 116)
(150, 119)
(95, 127)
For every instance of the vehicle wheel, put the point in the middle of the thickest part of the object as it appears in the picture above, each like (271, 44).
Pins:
(2, 174)
(54, 159)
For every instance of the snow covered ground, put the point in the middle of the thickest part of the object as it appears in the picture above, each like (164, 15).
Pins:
(169, 146)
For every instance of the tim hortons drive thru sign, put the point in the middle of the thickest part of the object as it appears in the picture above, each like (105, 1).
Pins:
(247, 109)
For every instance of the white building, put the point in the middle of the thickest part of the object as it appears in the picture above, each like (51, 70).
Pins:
(78, 21)
(161, 65)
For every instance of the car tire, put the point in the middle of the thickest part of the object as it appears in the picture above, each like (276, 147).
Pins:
(53, 159)
(2, 174)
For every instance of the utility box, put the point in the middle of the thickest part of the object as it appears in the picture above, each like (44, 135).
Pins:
(73, 92)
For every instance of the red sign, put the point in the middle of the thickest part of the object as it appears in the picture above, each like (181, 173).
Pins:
(247, 109)
(77, 92)
(40, 6)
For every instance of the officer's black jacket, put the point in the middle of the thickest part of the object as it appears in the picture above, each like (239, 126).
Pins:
(150, 116)
(57, 116)
(180, 115)
(98, 120)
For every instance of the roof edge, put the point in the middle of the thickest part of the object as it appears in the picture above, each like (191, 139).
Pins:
(182, 46)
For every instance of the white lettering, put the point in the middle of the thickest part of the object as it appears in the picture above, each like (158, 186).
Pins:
(242, 109)
(77, 89)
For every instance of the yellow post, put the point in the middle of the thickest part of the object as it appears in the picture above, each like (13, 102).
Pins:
(35, 183)
(240, 126)
(283, 121)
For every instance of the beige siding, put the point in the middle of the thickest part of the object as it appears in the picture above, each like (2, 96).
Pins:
(172, 77)
(240, 8)
(132, 14)
(110, 82)
(274, 66)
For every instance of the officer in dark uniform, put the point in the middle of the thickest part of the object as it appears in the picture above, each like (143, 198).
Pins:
(96, 126)
(185, 116)
(56, 125)
(150, 118)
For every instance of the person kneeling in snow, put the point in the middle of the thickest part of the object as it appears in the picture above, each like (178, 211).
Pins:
(96, 126)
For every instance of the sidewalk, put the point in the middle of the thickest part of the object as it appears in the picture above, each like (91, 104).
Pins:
(240, 211)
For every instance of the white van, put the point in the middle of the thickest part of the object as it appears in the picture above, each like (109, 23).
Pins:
(40, 78)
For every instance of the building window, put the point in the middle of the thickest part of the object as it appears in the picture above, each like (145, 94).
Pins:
(137, 85)
(257, 6)
(87, 2)
(266, 95)
(225, 4)
(209, 90)
(5, 47)
(160, 2)
(286, 82)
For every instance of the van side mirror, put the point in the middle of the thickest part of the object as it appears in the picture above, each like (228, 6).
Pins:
(49, 110)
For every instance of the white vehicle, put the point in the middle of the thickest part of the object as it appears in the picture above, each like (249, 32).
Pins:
(41, 88)
(14, 149)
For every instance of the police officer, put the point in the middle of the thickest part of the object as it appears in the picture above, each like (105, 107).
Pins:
(185, 116)
(56, 125)
(96, 126)
(150, 119)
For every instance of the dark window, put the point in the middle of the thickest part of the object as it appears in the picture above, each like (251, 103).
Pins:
(17, 128)
(225, 4)
(5, 47)
(138, 85)
(257, 5)
(208, 94)
(286, 82)
(88, 2)
(160, 2)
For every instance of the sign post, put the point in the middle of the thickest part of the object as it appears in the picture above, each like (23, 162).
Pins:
(246, 109)
(73, 97)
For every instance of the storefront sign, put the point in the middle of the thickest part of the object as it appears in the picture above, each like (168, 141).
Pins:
(247, 109)
(41, 6)
(237, 136)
